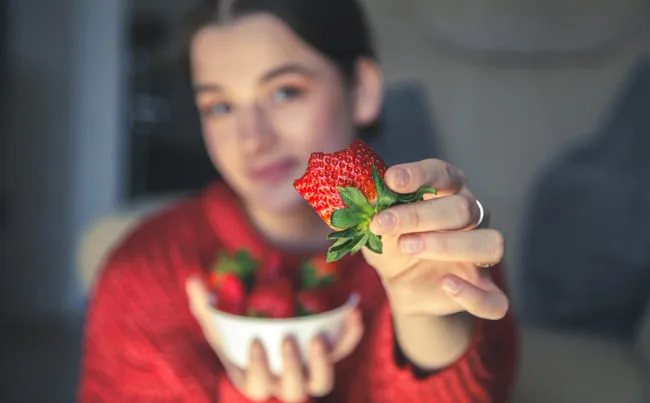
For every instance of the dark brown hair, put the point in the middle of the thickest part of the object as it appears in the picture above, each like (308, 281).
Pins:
(336, 28)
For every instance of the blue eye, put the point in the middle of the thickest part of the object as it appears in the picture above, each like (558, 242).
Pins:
(217, 109)
(285, 94)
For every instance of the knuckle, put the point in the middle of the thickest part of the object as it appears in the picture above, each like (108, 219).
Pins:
(446, 173)
(496, 245)
(436, 243)
(409, 217)
(464, 210)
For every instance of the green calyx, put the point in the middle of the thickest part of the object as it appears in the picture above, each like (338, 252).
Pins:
(240, 263)
(353, 221)
(311, 279)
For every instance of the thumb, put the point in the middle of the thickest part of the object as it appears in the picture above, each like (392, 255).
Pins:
(199, 303)
(198, 296)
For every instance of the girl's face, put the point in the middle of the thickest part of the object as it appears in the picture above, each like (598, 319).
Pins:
(267, 100)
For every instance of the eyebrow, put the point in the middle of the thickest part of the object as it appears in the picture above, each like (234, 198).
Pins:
(276, 72)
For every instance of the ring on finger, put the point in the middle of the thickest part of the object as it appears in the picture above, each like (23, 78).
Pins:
(481, 214)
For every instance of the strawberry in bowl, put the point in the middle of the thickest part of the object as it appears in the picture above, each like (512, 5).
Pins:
(270, 302)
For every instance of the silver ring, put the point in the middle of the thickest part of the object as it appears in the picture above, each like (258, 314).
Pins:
(481, 214)
(481, 217)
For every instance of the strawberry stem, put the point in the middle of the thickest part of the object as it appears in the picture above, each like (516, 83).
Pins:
(354, 220)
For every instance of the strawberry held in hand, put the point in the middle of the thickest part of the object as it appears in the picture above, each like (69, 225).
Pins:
(346, 188)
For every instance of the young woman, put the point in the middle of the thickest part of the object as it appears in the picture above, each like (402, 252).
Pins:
(275, 81)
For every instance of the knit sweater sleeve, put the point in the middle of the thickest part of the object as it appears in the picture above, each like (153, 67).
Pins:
(484, 374)
(141, 342)
(136, 349)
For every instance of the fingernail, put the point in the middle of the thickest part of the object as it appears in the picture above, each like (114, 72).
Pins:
(411, 245)
(450, 286)
(400, 177)
(257, 350)
(385, 222)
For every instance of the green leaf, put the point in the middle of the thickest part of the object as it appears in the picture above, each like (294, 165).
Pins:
(385, 196)
(360, 243)
(424, 190)
(344, 234)
(310, 277)
(339, 249)
(354, 199)
(348, 217)
(340, 242)
(302, 311)
(415, 196)
(374, 243)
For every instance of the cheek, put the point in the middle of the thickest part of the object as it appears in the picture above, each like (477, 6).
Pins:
(317, 124)
(222, 151)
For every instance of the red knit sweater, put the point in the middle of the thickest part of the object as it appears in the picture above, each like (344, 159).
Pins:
(143, 345)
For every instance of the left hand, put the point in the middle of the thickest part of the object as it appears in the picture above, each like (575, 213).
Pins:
(433, 250)
(297, 380)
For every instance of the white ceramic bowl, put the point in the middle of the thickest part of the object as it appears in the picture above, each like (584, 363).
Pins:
(238, 332)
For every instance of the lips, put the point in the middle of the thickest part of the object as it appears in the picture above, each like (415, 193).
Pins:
(273, 172)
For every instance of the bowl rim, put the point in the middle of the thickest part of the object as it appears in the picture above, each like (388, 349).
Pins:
(352, 301)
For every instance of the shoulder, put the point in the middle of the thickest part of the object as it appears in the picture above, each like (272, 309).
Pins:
(173, 242)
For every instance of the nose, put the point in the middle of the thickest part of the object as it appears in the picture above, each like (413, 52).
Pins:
(256, 134)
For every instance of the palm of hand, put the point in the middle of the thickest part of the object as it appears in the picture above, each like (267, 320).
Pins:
(414, 285)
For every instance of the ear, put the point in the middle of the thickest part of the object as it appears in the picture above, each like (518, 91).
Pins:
(368, 94)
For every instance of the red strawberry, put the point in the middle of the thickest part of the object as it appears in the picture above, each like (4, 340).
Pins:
(231, 295)
(240, 263)
(272, 300)
(321, 299)
(316, 272)
(346, 188)
(273, 269)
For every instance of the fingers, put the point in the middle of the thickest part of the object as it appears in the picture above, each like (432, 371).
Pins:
(199, 303)
(492, 304)
(291, 385)
(481, 246)
(198, 296)
(350, 337)
(258, 380)
(321, 369)
(407, 178)
(440, 214)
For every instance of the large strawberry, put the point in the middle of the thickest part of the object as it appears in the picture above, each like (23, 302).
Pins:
(231, 295)
(346, 188)
(274, 299)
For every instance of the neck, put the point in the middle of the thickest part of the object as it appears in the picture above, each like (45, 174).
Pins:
(299, 230)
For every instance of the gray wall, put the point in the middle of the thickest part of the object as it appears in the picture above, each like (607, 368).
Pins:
(64, 132)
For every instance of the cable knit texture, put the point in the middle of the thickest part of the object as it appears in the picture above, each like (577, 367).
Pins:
(143, 345)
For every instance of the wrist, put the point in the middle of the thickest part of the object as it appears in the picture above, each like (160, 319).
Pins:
(433, 342)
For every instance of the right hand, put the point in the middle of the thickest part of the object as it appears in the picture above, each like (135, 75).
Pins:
(297, 381)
